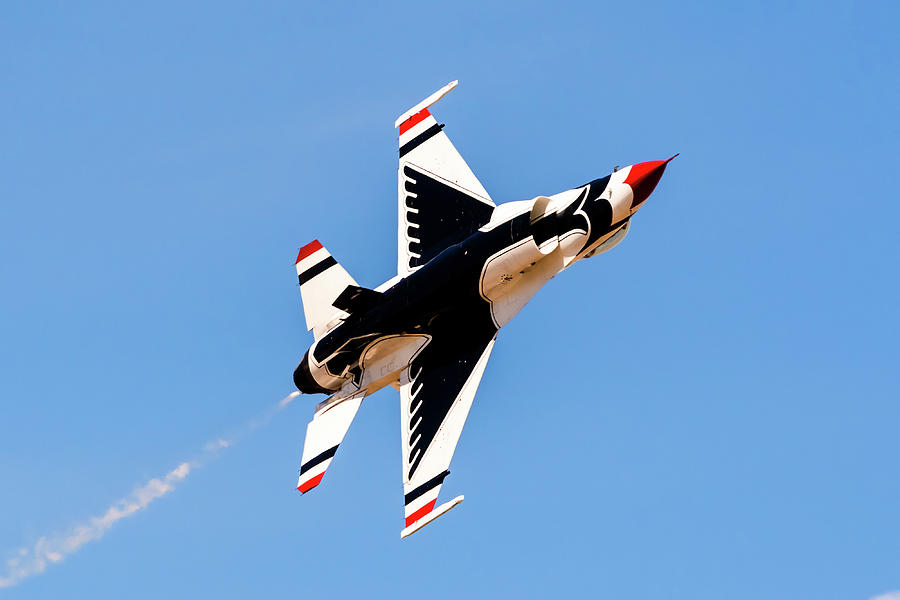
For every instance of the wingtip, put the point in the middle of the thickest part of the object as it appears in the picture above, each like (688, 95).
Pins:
(310, 484)
(431, 516)
(307, 250)
(426, 102)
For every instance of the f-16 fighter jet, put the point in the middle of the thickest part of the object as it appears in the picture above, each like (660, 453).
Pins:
(465, 268)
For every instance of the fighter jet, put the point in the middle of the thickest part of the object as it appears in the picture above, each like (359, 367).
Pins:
(465, 267)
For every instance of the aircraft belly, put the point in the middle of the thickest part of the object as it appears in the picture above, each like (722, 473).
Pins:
(514, 275)
(384, 360)
(465, 268)
(446, 289)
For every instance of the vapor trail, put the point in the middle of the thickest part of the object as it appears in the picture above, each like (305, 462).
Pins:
(48, 550)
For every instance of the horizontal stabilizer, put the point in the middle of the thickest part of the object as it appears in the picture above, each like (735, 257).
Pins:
(323, 436)
(355, 299)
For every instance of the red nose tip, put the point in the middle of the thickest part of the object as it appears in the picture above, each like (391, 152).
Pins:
(643, 178)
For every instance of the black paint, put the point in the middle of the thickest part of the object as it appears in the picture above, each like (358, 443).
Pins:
(420, 139)
(425, 487)
(442, 215)
(442, 297)
(318, 460)
(316, 269)
(355, 299)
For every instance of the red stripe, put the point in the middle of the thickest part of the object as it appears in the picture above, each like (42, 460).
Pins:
(414, 120)
(420, 513)
(643, 178)
(313, 483)
(308, 249)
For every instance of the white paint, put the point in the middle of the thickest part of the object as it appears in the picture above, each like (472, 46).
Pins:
(607, 242)
(543, 208)
(320, 374)
(426, 102)
(440, 159)
(571, 242)
(440, 510)
(437, 456)
(514, 275)
(429, 496)
(384, 359)
(327, 429)
(506, 211)
(319, 293)
(619, 194)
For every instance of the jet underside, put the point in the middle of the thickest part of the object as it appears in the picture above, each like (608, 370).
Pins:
(446, 294)
(466, 267)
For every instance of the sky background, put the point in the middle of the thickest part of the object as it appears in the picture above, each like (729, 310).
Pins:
(708, 411)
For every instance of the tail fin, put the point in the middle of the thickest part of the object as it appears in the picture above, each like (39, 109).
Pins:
(322, 280)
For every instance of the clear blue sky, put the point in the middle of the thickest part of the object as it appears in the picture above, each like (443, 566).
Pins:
(709, 411)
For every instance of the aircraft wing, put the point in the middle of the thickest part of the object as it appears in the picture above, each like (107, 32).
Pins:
(436, 393)
(440, 201)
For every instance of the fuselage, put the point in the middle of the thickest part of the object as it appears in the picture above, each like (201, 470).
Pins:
(473, 288)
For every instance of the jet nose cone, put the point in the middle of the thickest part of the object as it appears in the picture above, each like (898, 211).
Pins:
(643, 178)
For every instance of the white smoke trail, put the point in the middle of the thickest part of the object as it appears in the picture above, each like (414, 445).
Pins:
(48, 550)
